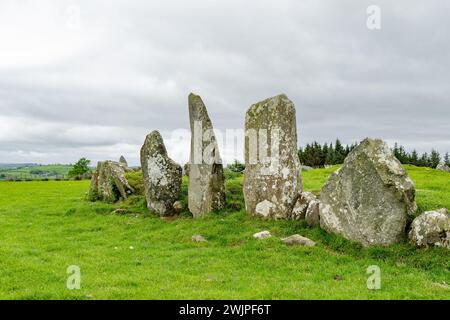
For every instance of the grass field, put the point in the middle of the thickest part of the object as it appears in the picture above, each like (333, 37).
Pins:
(47, 226)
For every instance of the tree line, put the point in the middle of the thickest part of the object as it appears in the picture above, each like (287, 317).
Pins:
(318, 155)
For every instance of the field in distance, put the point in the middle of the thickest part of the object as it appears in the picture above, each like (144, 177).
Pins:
(33, 171)
(47, 226)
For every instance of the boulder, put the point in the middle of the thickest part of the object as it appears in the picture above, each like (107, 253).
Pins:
(443, 167)
(162, 176)
(297, 239)
(431, 228)
(272, 181)
(206, 191)
(108, 183)
(370, 199)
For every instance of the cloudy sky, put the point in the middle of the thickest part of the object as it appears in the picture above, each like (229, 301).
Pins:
(92, 78)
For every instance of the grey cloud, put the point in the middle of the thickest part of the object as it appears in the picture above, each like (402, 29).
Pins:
(128, 70)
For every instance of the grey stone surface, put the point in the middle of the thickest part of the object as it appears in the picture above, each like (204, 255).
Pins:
(262, 235)
(301, 206)
(370, 199)
(108, 183)
(443, 167)
(272, 181)
(297, 239)
(123, 161)
(312, 216)
(431, 228)
(206, 179)
(198, 238)
(162, 176)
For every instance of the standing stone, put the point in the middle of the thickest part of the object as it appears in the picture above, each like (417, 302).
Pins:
(205, 170)
(272, 182)
(108, 183)
(370, 199)
(162, 176)
(123, 161)
(431, 228)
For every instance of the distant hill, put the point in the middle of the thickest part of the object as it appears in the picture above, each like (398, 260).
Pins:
(14, 171)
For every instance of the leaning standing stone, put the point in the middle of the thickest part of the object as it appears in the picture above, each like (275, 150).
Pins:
(370, 199)
(205, 170)
(272, 182)
(162, 176)
(108, 183)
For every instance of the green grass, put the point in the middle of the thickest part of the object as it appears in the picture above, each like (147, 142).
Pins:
(47, 226)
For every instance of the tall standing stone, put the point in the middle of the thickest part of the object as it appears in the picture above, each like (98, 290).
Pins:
(370, 199)
(272, 182)
(162, 176)
(206, 178)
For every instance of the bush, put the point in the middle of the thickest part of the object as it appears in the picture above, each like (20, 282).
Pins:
(136, 180)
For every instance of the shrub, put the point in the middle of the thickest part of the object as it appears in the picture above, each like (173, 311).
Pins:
(136, 180)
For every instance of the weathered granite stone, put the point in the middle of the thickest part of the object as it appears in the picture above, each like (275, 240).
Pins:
(178, 207)
(312, 216)
(443, 167)
(108, 183)
(198, 238)
(262, 235)
(370, 199)
(302, 204)
(431, 228)
(206, 191)
(162, 176)
(297, 239)
(123, 161)
(272, 181)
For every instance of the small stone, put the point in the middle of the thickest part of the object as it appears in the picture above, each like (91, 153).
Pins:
(297, 239)
(302, 204)
(338, 277)
(431, 228)
(262, 235)
(178, 207)
(443, 167)
(119, 211)
(312, 216)
(198, 238)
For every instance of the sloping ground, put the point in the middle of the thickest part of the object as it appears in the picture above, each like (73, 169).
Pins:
(47, 226)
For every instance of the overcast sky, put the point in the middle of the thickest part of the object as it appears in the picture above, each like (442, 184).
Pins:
(94, 85)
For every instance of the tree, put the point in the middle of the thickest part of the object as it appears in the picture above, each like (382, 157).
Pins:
(414, 158)
(447, 159)
(80, 168)
(434, 158)
(339, 152)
